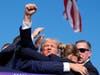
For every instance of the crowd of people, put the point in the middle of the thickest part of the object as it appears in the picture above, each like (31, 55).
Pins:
(22, 54)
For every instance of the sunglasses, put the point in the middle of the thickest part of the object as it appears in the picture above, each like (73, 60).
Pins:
(82, 50)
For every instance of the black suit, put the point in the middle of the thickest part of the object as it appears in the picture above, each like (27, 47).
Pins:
(26, 41)
(91, 69)
(40, 66)
(7, 54)
(6, 69)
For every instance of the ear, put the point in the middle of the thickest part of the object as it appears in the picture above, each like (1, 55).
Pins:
(90, 53)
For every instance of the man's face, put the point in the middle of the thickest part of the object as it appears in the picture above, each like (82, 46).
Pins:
(84, 51)
(49, 47)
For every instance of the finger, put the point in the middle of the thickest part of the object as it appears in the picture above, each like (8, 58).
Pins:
(40, 29)
(84, 72)
(31, 8)
(28, 6)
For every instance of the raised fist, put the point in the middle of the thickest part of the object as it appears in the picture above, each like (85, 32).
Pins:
(30, 9)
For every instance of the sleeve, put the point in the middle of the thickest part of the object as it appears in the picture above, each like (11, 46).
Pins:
(66, 67)
(29, 53)
(44, 67)
(26, 40)
(26, 25)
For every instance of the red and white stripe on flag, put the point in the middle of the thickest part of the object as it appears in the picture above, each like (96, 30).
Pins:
(72, 14)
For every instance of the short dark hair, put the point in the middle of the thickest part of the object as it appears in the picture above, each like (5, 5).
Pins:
(87, 42)
(5, 46)
(17, 38)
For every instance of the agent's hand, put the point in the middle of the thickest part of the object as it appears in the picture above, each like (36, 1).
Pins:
(36, 32)
(38, 41)
(79, 68)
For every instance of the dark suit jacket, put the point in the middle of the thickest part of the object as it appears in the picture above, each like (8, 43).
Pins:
(26, 40)
(40, 66)
(44, 67)
(91, 69)
(7, 54)
(6, 69)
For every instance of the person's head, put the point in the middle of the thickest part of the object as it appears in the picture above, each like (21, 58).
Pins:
(84, 48)
(49, 46)
(16, 39)
(69, 51)
(5, 46)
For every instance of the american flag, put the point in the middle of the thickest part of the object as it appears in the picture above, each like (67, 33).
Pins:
(72, 14)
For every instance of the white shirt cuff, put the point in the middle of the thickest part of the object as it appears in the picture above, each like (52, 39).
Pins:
(32, 37)
(66, 67)
(26, 25)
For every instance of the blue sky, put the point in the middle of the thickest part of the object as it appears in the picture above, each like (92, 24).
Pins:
(49, 15)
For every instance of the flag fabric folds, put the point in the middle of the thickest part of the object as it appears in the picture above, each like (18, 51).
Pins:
(72, 14)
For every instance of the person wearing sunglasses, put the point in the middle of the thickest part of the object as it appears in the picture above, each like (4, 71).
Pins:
(85, 52)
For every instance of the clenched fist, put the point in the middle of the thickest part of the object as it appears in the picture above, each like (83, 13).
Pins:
(30, 9)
